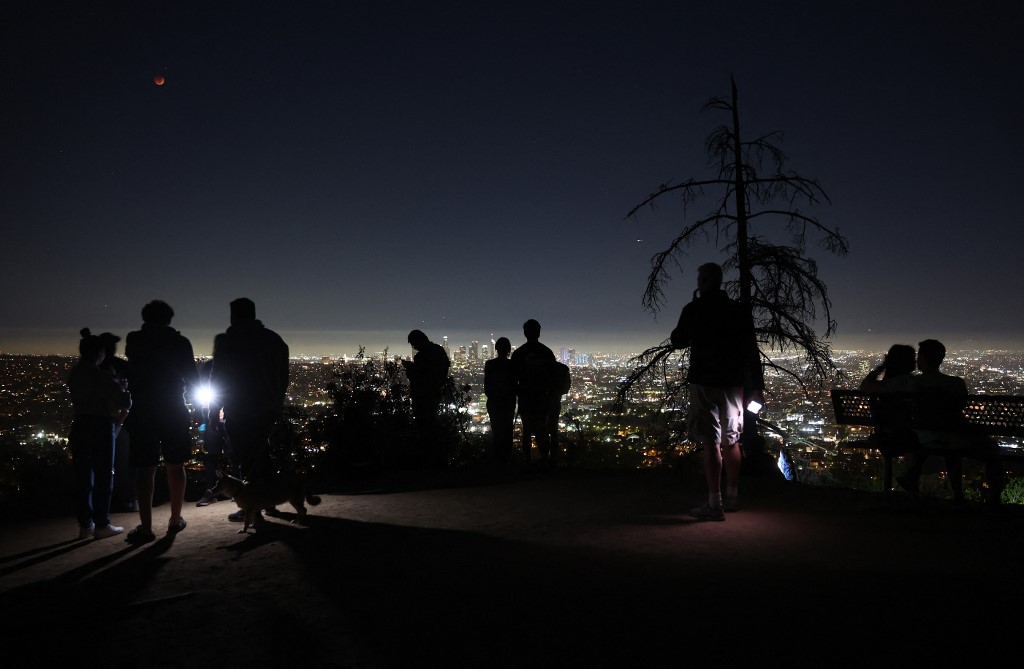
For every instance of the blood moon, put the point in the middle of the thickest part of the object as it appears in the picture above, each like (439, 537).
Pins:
(158, 80)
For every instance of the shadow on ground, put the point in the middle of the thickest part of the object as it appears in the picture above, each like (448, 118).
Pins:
(587, 570)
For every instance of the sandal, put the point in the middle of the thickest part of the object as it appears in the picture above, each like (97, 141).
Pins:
(174, 528)
(139, 536)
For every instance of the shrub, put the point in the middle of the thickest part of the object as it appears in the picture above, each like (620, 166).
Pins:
(1013, 493)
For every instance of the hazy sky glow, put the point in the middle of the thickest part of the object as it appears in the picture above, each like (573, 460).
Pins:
(362, 169)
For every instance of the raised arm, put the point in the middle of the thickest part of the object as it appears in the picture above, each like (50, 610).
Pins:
(871, 383)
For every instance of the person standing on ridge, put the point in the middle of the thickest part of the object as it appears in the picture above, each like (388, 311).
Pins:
(124, 497)
(161, 369)
(724, 361)
(216, 448)
(250, 378)
(533, 365)
(97, 398)
(500, 389)
(428, 374)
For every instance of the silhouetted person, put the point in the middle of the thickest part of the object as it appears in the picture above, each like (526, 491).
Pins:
(428, 374)
(561, 381)
(500, 389)
(250, 379)
(930, 355)
(216, 449)
(900, 361)
(96, 399)
(892, 432)
(124, 497)
(532, 363)
(161, 369)
(724, 360)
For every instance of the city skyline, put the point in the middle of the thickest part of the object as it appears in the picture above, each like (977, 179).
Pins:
(363, 170)
(348, 344)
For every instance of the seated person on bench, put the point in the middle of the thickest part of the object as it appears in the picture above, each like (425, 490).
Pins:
(930, 354)
(892, 375)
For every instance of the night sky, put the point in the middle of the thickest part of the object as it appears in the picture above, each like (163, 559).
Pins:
(360, 169)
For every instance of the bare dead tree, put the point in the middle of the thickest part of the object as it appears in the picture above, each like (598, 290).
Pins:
(778, 284)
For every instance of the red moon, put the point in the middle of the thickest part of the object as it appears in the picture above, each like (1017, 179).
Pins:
(158, 80)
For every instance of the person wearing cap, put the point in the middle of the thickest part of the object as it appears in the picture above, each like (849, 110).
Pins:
(250, 379)
(96, 399)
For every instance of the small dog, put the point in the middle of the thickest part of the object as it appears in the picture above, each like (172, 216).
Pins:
(253, 496)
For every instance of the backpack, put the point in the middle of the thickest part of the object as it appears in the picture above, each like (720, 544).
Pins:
(562, 380)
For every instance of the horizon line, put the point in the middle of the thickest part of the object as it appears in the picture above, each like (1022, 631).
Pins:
(346, 343)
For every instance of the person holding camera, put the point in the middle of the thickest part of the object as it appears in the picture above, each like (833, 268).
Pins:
(427, 373)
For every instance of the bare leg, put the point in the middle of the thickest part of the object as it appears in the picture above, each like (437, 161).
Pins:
(144, 486)
(733, 460)
(176, 488)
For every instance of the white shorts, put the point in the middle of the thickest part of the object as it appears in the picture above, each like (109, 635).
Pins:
(715, 415)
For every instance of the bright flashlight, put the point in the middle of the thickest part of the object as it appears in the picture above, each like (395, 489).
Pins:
(754, 406)
(204, 395)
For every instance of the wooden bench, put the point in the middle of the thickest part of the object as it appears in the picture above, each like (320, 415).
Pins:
(894, 416)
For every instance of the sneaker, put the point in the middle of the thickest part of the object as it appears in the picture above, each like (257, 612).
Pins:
(207, 499)
(107, 530)
(85, 531)
(139, 536)
(237, 516)
(731, 504)
(707, 512)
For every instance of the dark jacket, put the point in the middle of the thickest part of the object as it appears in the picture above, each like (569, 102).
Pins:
(250, 370)
(428, 372)
(161, 367)
(94, 392)
(720, 336)
(533, 363)
(499, 382)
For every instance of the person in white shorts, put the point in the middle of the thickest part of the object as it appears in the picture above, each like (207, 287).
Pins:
(724, 361)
